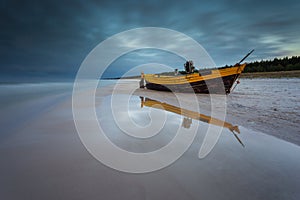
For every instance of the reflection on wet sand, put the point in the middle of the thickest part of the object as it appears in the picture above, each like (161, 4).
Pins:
(189, 115)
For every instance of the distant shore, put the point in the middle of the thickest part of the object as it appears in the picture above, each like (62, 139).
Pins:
(280, 74)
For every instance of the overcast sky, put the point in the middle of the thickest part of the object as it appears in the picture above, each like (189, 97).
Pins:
(52, 38)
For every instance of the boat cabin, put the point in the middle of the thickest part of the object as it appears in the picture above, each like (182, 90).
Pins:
(189, 67)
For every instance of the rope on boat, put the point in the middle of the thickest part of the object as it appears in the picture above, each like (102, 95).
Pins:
(237, 82)
(239, 63)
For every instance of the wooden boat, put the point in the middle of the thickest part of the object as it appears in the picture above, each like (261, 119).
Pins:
(205, 81)
(189, 115)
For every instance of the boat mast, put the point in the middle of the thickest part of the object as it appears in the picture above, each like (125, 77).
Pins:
(246, 57)
(237, 78)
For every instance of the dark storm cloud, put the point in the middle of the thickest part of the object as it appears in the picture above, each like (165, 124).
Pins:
(51, 38)
(41, 37)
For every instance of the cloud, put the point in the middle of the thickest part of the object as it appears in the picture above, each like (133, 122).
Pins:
(53, 37)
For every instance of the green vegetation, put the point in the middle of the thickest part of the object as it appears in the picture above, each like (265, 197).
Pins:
(276, 68)
(275, 65)
(279, 74)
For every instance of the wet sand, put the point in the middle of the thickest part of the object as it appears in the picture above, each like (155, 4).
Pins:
(270, 106)
(42, 156)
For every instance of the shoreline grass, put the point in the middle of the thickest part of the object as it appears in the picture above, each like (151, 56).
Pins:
(279, 74)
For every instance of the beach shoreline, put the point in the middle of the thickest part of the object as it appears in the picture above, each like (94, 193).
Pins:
(39, 142)
(279, 74)
(253, 108)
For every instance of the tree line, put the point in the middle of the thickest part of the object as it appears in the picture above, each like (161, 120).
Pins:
(277, 64)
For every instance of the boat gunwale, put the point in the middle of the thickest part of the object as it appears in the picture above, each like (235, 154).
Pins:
(190, 78)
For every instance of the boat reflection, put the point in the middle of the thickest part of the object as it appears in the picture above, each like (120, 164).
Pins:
(190, 115)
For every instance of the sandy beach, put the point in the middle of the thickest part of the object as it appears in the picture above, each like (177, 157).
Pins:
(42, 157)
(86, 111)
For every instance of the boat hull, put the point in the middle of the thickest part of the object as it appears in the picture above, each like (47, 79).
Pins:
(216, 82)
(214, 86)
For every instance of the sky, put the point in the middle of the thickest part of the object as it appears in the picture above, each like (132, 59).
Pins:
(50, 39)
